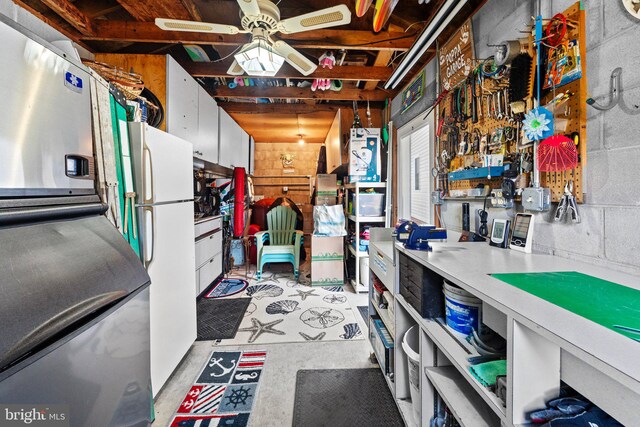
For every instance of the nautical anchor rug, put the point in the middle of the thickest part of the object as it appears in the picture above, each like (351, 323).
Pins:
(285, 310)
(224, 392)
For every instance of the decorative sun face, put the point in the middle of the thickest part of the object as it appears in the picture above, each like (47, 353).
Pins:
(536, 124)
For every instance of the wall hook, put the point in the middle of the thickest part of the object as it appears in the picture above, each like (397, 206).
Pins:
(614, 92)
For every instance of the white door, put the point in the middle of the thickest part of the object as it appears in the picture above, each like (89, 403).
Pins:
(421, 175)
(169, 255)
(164, 165)
(206, 145)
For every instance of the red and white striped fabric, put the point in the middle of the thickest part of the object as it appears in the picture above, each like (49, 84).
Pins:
(252, 359)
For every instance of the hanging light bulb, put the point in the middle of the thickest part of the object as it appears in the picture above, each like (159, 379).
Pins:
(301, 139)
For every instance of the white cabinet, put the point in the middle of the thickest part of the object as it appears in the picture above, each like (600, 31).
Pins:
(182, 102)
(205, 146)
(243, 160)
(227, 139)
(234, 142)
(208, 252)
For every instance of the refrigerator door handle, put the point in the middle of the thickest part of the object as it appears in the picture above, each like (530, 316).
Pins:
(148, 176)
(149, 252)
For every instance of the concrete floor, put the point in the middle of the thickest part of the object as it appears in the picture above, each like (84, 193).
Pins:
(276, 390)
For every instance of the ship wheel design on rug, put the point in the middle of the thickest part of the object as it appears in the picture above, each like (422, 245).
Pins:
(260, 328)
(304, 294)
(238, 397)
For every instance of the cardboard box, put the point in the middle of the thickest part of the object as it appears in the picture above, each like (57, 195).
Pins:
(324, 200)
(327, 185)
(327, 255)
(364, 155)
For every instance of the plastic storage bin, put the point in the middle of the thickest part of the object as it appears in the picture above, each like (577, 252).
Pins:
(371, 204)
(411, 347)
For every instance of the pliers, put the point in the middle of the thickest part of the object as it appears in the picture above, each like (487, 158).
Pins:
(568, 204)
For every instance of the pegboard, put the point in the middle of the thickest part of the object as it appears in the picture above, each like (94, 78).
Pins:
(576, 107)
(574, 111)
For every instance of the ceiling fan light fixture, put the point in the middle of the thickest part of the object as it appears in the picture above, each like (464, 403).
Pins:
(259, 59)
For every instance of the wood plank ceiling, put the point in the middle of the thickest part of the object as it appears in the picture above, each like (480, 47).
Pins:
(285, 103)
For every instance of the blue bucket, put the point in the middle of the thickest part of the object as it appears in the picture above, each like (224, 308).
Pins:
(463, 311)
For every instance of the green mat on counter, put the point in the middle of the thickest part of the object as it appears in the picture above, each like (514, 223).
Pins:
(487, 372)
(609, 304)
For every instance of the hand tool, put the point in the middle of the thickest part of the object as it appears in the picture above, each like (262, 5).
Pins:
(567, 204)
(474, 111)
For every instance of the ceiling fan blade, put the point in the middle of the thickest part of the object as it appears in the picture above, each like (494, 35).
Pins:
(195, 26)
(323, 18)
(295, 58)
(235, 69)
(249, 7)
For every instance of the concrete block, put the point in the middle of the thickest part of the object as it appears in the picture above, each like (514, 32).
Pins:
(584, 238)
(492, 13)
(613, 177)
(595, 132)
(617, 19)
(621, 124)
(621, 237)
(618, 51)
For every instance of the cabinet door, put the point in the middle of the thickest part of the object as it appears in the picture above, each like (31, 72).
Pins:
(206, 145)
(244, 151)
(227, 135)
(182, 102)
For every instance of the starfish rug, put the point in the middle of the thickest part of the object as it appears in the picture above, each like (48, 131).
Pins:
(285, 310)
(224, 392)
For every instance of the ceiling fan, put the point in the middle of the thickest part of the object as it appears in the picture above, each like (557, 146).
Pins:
(261, 18)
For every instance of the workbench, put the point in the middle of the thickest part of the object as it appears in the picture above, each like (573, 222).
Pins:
(546, 344)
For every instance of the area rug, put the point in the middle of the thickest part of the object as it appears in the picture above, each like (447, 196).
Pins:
(344, 397)
(285, 310)
(364, 312)
(224, 392)
(220, 318)
(227, 288)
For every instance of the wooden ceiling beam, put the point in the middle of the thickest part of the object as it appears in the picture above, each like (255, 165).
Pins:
(192, 9)
(70, 13)
(382, 60)
(97, 8)
(319, 39)
(302, 93)
(279, 108)
(144, 11)
(347, 72)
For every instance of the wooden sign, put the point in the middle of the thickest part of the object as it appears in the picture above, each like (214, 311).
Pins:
(457, 57)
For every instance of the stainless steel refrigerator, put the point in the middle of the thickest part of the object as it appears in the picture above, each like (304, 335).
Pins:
(74, 305)
(163, 172)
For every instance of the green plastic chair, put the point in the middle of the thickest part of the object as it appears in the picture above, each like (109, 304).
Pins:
(281, 242)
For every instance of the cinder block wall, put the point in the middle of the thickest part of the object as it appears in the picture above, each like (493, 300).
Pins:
(609, 232)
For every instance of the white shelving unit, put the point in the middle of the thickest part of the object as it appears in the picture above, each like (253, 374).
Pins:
(546, 345)
(356, 188)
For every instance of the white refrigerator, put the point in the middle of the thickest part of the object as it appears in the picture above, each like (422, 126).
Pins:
(163, 169)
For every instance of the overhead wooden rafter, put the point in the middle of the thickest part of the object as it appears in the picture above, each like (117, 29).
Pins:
(347, 72)
(148, 32)
(70, 13)
(279, 108)
(301, 93)
(149, 11)
(382, 59)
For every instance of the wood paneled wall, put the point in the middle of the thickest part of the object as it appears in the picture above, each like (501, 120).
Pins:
(152, 68)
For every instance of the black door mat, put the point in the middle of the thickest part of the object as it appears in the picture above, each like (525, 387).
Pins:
(219, 319)
(344, 397)
(364, 312)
